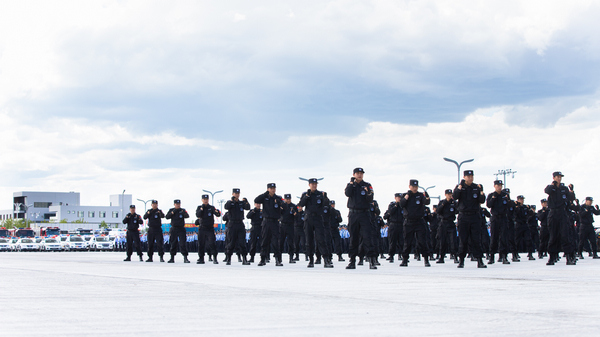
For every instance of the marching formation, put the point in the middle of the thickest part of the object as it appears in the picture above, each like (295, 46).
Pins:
(457, 226)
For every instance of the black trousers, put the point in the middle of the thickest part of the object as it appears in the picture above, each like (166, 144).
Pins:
(155, 235)
(446, 235)
(485, 238)
(469, 235)
(587, 233)
(207, 240)
(133, 237)
(523, 238)
(395, 237)
(336, 240)
(559, 228)
(314, 229)
(178, 237)
(544, 238)
(535, 237)
(255, 238)
(237, 238)
(299, 240)
(361, 232)
(415, 230)
(270, 235)
(499, 239)
(287, 232)
(435, 245)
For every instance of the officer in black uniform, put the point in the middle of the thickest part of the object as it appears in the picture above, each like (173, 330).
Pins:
(485, 235)
(560, 199)
(299, 237)
(133, 222)
(447, 210)
(206, 230)
(586, 227)
(498, 203)
(533, 230)
(236, 228)
(335, 218)
(469, 198)
(544, 233)
(360, 197)
(256, 217)
(287, 226)
(413, 203)
(522, 234)
(177, 215)
(395, 220)
(434, 223)
(272, 205)
(314, 203)
(155, 233)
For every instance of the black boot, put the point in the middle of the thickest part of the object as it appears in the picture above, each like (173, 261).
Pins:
(515, 258)
(352, 264)
(141, 258)
(571, 260)
(305, 257)
(530, 256)
(340, 258)
(328, 263)
(505, 259)
(550, 260)
(228, 259)
(417, 257)
(172, 260)
(245, 261)
(185, 260)
(480, 263)
(426, 258)
(262, 261)
(200, 260)
(580, 255)
(149, 259)
(278, 262)
(461, 263)
(251, 258)
(360, 261)
(210, 258)
(292, 259)
(595, 256)
(456, 259)
(540, 255)
(311, 263)
(376, 261)
(404, 262)
(318, 261)
(127, 258)
(391, 258)
(372, 264)
(215, 261)
(491, 259)
(297, 258)
(239, 258)
(440, 260)
(161, 259)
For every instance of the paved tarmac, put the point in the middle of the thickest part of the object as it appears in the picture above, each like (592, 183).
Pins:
(97, 294)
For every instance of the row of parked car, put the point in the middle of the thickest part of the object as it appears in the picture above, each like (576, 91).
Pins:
(58, 243)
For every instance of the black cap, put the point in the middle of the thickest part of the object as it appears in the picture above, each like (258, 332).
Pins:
(398, 195)
(589, 198)
(269, 185)
(448, 191)
(287, 196)
(332, 202)
(313, 181)
(498, 182)
(468, 173)
(543, 200)
(204, 196)
(358, 169)
(131, 206)
(507, 190)
(414, 182)
(177, 201)
(236, 190)
(520, 197)
(557, 173)
(155, 201)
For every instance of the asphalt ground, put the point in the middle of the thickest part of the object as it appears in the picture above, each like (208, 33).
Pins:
(97, 294)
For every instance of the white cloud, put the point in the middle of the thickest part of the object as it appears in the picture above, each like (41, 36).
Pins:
(239, 17)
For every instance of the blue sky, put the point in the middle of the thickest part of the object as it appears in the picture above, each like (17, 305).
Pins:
(98, 96)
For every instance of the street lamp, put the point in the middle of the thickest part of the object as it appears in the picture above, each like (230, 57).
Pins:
(425, 189)
(221, 202)
(458, 165)
(145, 202)
(212, 195)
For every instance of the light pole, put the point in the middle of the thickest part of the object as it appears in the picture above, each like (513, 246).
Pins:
(458, 165)
(122, 206)
(145, 202)
(504, 173)
(425, 189)
(221, 202)
(212, 195)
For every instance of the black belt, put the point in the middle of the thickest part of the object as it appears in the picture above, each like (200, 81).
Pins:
(468, 213)
(358, 210)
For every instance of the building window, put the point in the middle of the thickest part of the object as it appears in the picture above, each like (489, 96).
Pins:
(115, 214)
(80, 214)
(42, 204)
(91, 214)
(102, 214)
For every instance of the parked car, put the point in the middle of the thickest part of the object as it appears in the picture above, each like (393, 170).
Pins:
(75, 242)
(101, 243)
(4, 245)
(27, 244)
(50, 244)
(13, 244)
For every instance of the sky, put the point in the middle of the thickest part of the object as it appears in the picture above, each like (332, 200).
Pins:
(165, 99)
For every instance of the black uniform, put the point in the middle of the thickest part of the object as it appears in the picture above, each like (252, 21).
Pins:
(499, 204)
(206, 230)
(559, 199)
(395, 220)
(360, 197)
(299, 237)
(235, 228)
(434, 223)
(414, 223)
(178, 233)
(544, 233)
(485, 235)
(522, 234)
(133, 222)
(335, 218)
(256, 217)
(155, 233)
(447, 210)
(586, 227)
(287, 227)
(314, 204)
(272, 208)
(469, 198)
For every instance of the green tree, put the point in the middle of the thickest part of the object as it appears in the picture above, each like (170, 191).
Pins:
(63, 221)
(103, 224)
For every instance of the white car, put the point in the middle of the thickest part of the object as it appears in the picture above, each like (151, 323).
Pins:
(27, 244)
(13, 244)
(5, 245)
(75, 242)
(63, 242)
(101, 243)
(50, 244)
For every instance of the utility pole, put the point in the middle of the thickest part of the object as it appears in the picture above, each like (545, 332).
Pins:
(504, 173)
